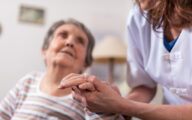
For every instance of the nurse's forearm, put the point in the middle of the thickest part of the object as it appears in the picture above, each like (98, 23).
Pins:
(142, 94)
(156, 112)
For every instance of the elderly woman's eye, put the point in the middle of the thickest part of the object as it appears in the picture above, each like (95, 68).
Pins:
(64, 35)
(80, 40)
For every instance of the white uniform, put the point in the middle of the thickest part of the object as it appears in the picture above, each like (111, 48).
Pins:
(151, 63)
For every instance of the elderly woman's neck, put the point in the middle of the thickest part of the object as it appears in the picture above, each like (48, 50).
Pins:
(55, 75)
(51, 81)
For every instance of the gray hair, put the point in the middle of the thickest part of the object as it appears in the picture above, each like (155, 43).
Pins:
(91, 40)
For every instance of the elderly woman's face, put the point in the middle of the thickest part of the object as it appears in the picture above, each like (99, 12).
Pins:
(146, 4)
(68, 48)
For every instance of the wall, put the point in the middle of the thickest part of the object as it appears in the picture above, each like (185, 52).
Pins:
(20, 43)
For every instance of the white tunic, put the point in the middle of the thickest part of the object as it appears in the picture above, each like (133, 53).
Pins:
(151, 63)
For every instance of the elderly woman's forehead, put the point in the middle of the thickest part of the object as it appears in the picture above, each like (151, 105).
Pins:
(69, 26)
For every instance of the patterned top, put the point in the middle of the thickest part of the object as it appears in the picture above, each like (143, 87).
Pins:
(26, 102)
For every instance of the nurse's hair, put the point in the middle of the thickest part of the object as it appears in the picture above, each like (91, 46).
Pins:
(170, 13)
(56, 25)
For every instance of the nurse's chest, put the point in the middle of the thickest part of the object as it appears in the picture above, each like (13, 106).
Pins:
(171, 69)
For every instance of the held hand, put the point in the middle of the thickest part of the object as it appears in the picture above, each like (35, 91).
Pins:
(76, 80)
(72, 80)
(96, 95)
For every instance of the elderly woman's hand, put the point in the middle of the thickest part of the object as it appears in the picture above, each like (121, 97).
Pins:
(80, 81)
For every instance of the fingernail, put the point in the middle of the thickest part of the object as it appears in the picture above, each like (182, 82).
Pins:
(61, 86)
(85, 75)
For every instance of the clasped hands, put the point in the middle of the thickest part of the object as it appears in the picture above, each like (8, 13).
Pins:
(96, 95)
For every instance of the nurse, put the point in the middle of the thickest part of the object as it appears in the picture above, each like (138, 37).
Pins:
(159, 51)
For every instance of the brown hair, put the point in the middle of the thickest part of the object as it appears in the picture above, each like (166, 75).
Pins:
(170, 13)
(91, 39)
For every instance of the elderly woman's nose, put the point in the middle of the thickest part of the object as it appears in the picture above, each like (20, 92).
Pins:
(70, 42)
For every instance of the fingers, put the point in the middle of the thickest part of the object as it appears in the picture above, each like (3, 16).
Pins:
(87, 86)
(72, 80)
(71, 75)
(102, 85)
(89, 83)
(76, 90)
(76, 94)
(99, 85)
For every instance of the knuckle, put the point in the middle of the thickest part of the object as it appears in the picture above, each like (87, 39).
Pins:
(94, 79)
(104, 82)
(71, 74)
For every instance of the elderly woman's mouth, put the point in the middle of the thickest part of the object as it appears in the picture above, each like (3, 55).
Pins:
(69, 53)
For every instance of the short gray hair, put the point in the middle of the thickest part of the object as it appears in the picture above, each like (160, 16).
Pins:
(91, 39)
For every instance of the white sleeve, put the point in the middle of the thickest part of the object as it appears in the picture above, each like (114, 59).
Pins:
(137, 75)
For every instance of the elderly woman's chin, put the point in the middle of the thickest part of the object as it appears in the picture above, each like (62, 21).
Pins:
(64, 62)
(65, 59)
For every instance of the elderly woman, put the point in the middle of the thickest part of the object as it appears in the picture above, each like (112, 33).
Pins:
(67, 48)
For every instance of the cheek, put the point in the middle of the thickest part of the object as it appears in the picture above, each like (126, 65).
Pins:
(82, 54)
(56, 45)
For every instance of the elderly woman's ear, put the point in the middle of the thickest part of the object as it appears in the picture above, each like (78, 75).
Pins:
(44, 55)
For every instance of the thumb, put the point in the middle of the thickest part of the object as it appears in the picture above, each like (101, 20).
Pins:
(98, 84)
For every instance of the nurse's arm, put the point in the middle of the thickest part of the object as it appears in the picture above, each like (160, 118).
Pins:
(142, 94)
(150, 111)
(155, 112)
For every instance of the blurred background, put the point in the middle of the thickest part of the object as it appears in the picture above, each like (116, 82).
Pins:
(24, 23)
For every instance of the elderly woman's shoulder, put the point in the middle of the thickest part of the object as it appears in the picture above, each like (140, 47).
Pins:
(30, 78)
(35, 74)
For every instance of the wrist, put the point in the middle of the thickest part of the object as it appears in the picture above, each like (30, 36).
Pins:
(123, 106)
(127, 107)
